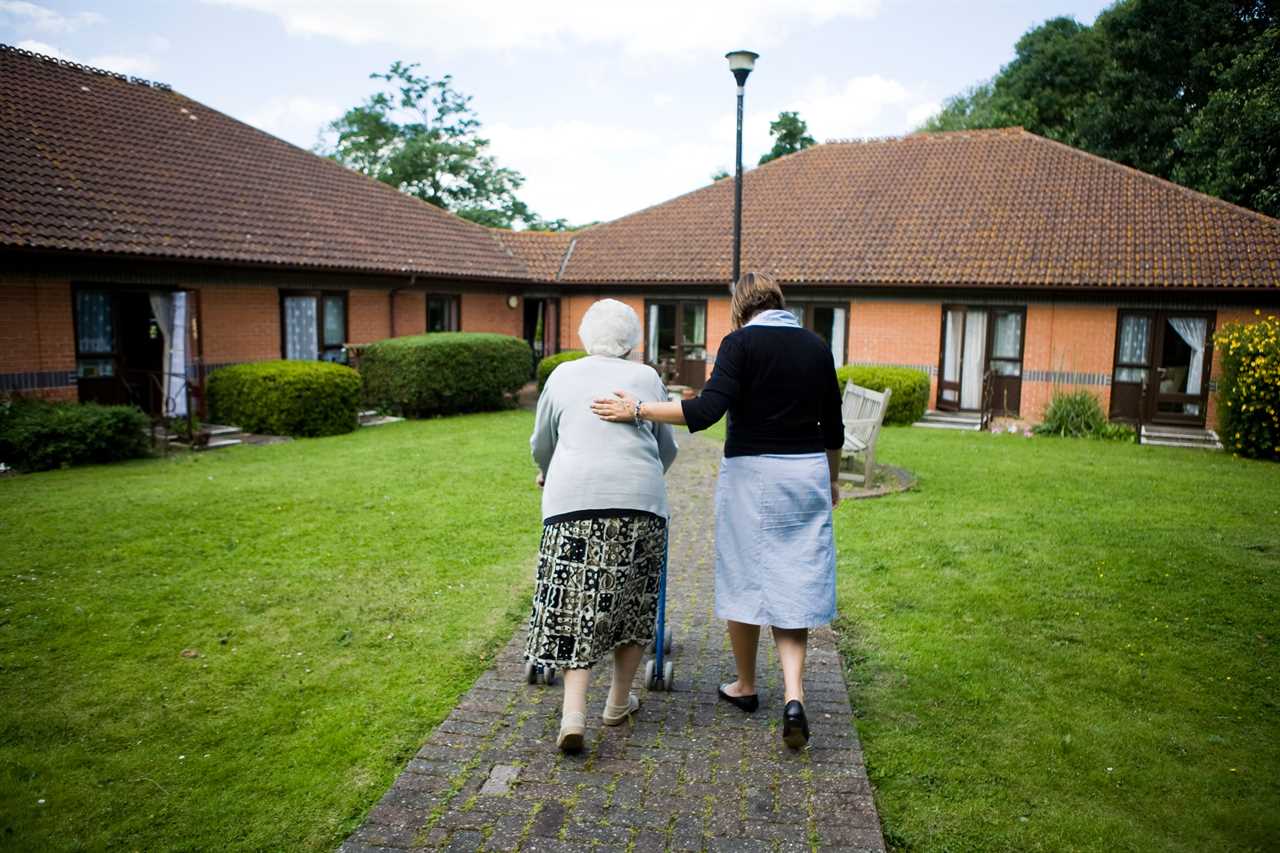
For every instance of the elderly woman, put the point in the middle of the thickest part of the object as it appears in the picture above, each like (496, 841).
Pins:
(604, 515)
(775, 554)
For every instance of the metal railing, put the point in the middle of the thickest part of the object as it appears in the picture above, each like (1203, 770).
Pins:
(985, 408)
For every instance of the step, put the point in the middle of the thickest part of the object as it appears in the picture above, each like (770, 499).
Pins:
(969, 427)
(221, 429)
(1194, 445)
(378, 420)
(215, 443)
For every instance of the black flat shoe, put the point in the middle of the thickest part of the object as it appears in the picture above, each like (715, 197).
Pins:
(795, 726)
(745, 703)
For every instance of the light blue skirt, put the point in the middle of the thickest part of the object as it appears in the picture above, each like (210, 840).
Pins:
(775, 552)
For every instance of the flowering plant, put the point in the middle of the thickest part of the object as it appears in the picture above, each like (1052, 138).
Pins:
(1249, 390)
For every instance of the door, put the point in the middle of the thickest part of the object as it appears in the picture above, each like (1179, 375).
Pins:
(1181, 368)
(676, 343)
(829, 321)
(542, 327)
(975, 341)
(1171, 353)
(119, 349)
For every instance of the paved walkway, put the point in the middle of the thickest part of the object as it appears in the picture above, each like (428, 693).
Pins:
(690, 773)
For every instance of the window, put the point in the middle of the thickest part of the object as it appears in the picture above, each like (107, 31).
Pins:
(829, 322)
(676, 341)
(314, 325)
(444, 313)
(95, 334)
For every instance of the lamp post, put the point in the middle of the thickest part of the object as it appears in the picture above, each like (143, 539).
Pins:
(740, 63)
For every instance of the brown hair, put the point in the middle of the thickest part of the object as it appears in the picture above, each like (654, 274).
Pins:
(754, 293)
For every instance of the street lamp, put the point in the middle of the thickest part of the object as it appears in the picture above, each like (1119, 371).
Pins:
(740, 63)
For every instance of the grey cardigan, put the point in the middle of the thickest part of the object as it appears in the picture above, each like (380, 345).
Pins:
(594, 464)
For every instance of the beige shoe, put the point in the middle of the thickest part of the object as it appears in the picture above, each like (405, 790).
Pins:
(573, 730)
(616, 715)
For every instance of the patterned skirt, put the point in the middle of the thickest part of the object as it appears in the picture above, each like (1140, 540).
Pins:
(598, 581)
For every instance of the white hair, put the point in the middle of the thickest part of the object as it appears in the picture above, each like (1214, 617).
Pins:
(609, 327)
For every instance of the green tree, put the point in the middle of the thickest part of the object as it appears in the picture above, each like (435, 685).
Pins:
(790, 134)
(971, 109)
(719, 174)
(1231, 148)
(421, 136)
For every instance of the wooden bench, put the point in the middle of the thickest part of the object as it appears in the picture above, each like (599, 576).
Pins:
(863, 412)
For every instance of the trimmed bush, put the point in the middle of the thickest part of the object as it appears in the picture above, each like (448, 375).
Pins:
(1249, 390)
(551, 362)
(37, 436)
(444, 372)
(910, 387)
(298, 398)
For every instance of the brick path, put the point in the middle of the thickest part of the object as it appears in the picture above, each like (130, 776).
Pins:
(691, 772)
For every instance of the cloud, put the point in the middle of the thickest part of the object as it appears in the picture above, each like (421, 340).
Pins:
(300, 119)
(862, 106)
(42, 48)
(660, 27)
(135, 65)
(916, 115)
(585, 171)
(44, 20)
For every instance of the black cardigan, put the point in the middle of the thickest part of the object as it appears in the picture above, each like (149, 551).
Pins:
(779, 386)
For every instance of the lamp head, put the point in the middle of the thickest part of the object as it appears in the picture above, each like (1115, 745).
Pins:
(741, 62)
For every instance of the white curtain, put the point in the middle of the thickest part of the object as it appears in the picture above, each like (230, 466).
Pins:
(839, 323)
(301, 340)
(651, 348)
(1007, 335)
(1192, 331)
(975, 340)
(170, 311)
(951, 353)
(1134, 331)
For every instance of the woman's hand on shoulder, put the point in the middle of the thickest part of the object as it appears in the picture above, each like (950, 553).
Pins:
(620, 408)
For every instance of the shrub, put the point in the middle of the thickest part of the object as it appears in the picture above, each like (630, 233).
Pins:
(1074, 414)
(910, 387)
(444, 372)
(1249, 390)
(298, 398)
(551, 362)
(36, 435)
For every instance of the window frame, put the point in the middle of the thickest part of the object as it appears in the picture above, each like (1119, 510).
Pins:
(809, 306)
(453, 308)
(114, 352)
(321, 316)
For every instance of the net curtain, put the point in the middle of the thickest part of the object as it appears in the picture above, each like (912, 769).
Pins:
(170, 311)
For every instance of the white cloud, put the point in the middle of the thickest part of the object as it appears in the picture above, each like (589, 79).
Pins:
(159, 44)
(862, 106)
(135, 65)
(44, 20)
(917, 114)
(43, 48)
(296, 118)
(660, 27)
(584, 171)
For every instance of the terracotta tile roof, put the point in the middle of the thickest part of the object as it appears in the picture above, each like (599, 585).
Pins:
(541, 252)
(993, 208)
(92, 162)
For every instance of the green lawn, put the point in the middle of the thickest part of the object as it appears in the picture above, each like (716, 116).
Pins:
(1059, 644)
(341, 594)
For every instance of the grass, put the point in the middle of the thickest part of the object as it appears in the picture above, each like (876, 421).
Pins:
(340, 593)
(1059, 644)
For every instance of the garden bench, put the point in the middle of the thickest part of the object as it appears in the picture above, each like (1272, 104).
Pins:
(863, 412)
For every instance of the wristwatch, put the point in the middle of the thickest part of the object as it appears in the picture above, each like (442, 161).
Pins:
(636, 414)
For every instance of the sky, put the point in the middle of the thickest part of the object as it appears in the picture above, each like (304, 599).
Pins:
(605, 107)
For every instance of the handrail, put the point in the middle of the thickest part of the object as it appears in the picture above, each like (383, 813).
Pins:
(985, 412)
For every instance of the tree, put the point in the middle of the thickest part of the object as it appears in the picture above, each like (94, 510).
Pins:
(1183, 89)
(421, 136)
(790, 135)
(1231, 148)
(719, 174)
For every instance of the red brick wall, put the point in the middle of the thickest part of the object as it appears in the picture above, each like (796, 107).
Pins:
(488, 312)
(37, 330)
(240, 324)
(572, 308)
(1067, 339)
(411, 313)
(368, 316)
(896, 332)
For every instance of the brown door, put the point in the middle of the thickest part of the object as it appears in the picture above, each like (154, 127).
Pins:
(1181, 360)
(952, 358)
(1006, 327)
(1170, 353)
(676, 341)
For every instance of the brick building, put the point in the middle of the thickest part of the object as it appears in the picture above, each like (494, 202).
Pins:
(143, 235)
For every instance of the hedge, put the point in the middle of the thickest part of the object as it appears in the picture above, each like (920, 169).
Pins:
(551, 362)
(37, 436)
(298, 398)
(444, 372)
(910, 387)
(1249, 388)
